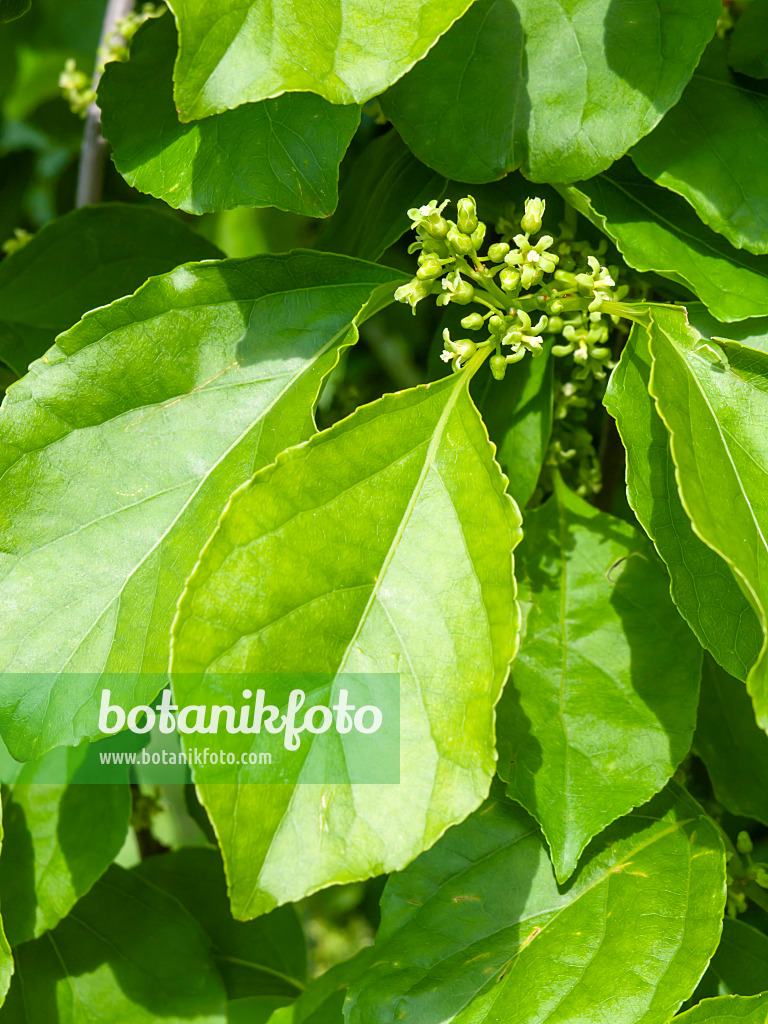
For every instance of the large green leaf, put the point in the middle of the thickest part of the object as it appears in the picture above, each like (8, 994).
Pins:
(477, 930)
(158, 406)
(702, 584)
(284, 152)
(386, 180)
(559, 88)
(715, 408)
(82, 260)
(126, 953)
(740, 964)
(6, 960)
(266, 957)
(731, 745)
(654, 229)
(233, 52)
(728, 1010)
(748, 50)
(712, 149)
(322, 1002)
(518, 414)
(59, 839)
(601, 706)
(382, 545)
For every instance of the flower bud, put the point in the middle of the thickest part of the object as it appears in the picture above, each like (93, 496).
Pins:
(429, 267)
(478, 236)
(467, 218)
(498, 367)
(498, 251)
(465, 348)
(509, 279)
(472, 322)
(744, 843)
(534, 211)
(412, 292)
(458, 242)
(495, 324)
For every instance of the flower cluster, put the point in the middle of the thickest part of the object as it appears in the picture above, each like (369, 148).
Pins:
(745, 877)
(536, 294)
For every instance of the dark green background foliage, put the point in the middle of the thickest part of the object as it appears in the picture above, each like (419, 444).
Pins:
(227, 445)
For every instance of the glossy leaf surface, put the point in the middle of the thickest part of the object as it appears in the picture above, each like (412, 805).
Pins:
(559, 89)
(283, 152)
(199, 379)
(232, 52)
(477, 930)
(654, 229)
(127, 952)
(712, 149)
(702, 584)
(83, 260)
(383, 544)
(601, 706)
(714, 402)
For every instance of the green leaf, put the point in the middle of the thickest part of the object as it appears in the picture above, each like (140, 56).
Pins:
(233, 52)
(6, 960)
(80, 261)
(740, 963)
(257, 1009)
(394, 537)
(127, 952)
(478, 930)
(284, 152)
(385, 181)
(59, 839)
(656, 230)
(748, 50)
(717, 418)
(560, 89)
(729, 742)
(266, 957)
(169, 399)
(322, 1002)
(10, 10)
(702, 584)
(728, 1010)
(601, 706)
(712, 149)
(518, 414)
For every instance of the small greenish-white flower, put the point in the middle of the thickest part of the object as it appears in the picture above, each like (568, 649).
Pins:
(534, 213)
(467, 216)
(413, 292)
(429, 219)
(455, 289)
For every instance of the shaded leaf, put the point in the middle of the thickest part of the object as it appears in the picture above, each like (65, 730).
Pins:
(740, 963)
(712, 149)
(733, 748)
(714, 402)
(478, 930)
(601, 706)
(284, 152)
(385, 181)
(518, 414)
(59, 839)
(748, 50)
(560, 89)
(127, 952)
(656, 230)
(323, 1000)
(10, 10)
(169, 399)
(729, 1010)
(382, 545)
(702, 584)
(233, 53)
(266, 957)
(80, 261)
